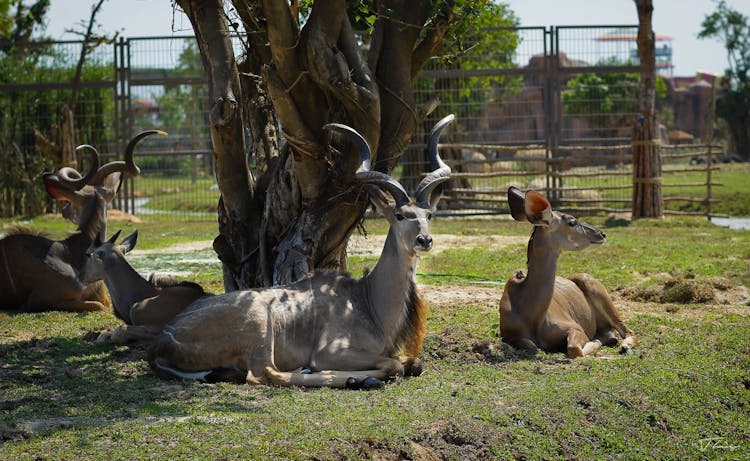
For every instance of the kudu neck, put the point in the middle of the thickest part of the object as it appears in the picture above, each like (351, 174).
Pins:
(388, 283)
(126, 287)
(93, 221)
(539, 284)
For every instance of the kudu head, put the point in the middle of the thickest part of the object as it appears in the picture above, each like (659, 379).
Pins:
(565, 232)
(87, 195)
(105, 255)
(408, 216)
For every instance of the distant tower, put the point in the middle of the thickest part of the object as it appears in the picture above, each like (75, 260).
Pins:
(621, 45)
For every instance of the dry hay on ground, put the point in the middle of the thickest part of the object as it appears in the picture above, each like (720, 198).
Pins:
(687, 289)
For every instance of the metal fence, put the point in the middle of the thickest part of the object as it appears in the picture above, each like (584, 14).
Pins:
(551, 111)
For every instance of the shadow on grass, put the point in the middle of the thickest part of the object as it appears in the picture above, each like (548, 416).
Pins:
(613, 221)
(58, 383)
(456, 344)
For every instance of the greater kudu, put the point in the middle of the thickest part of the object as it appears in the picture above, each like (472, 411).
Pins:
(325, 330)
(37, 273)
(143, 306)
(541, 310)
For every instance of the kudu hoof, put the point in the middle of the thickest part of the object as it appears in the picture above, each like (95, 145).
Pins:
(371, 383)
(626, 350)
(367, 384)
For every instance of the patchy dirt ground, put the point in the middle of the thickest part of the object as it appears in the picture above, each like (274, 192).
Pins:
(732, 299)
(463, 295)
(372, 245)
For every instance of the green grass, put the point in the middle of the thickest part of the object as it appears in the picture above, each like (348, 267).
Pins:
(156, 231)
(684, 394)
(179, 194)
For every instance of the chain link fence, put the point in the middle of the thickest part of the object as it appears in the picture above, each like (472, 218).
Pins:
(548, 108)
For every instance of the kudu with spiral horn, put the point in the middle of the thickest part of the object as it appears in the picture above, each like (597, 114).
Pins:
(37, 273)
(325, 330)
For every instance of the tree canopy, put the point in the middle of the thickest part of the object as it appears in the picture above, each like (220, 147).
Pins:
(732, 28)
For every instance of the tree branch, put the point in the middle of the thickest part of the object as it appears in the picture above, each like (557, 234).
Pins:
(212, 33)
(432, 43)
(84, 51)
(283, 36)
(400, 31)
(306, 149)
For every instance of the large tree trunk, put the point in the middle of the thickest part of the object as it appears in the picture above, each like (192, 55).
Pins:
(297, 212)
(647, 194)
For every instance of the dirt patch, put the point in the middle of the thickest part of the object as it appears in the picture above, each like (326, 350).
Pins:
(687, 289)
(442, 440)
(121, 216)
(487, 297)
(372, 245)
(446, 440)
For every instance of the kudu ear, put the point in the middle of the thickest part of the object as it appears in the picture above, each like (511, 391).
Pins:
(516, 203)
(128, 243)
(538, 208)
(114, 238)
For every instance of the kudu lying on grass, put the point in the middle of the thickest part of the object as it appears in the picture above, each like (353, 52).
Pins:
(37, 273)
(342, 330)
(540, 310)
(143, 306)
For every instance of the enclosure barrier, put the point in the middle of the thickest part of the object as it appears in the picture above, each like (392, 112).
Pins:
(529, 113)
(584, 179)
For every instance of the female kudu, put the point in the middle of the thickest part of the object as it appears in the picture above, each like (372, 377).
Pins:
(541, 310)
(144, 307)
(341, 329)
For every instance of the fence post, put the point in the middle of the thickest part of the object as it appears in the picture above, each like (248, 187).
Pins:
(709, 157)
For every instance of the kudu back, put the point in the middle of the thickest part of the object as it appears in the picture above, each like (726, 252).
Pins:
(143, 306)
(37, 273)
(541, 310)
(327, 329)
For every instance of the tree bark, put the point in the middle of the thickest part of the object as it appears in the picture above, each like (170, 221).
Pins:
(297, 213)
(647, 187)
(237, 208)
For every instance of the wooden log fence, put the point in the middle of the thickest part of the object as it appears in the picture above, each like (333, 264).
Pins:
(572, 172)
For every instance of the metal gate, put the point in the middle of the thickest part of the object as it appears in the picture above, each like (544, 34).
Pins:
(548, 108)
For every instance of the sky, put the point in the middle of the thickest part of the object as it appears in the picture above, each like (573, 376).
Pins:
(679, 19)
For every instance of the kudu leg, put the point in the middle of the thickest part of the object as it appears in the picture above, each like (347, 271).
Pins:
(412, 365)
(579, 344)
(124, 334)
(386, 367)
(41, 304)
(524, 344)
(607, 316)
